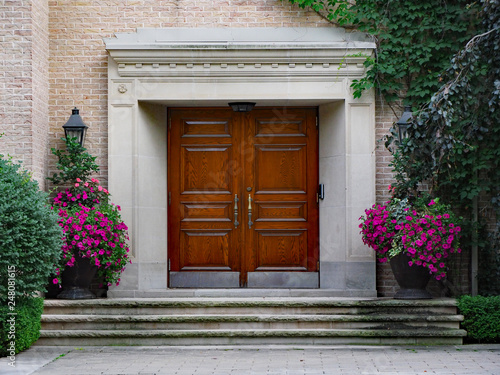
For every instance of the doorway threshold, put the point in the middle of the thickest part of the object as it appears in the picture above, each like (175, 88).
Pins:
(240, 293)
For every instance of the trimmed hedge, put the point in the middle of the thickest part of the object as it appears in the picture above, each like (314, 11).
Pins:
(30, 237)
(481, 317)
(18, 332)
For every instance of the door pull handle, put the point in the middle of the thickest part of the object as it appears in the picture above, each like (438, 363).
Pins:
(250, 222)
(236, 223)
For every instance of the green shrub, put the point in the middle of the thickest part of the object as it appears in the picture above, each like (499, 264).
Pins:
(30, 238)
(488, 276)
(18, 332)
(481, 317)
(74, 162)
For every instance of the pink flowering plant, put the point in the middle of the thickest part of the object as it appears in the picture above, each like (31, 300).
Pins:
(92, 228)
(424, 229)
(89, 194)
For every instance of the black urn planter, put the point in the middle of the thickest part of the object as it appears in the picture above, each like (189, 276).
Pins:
(76, 280)
(412, 280)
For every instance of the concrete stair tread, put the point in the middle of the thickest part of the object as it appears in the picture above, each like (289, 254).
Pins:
(255, 333)
(238, 293)
(249, 318)
(252, 301)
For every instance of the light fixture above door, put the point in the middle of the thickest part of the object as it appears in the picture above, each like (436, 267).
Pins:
(242, 106)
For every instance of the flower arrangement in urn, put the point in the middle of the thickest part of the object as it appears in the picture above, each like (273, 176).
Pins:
(94, 234)
(421, 228)
(93, 227)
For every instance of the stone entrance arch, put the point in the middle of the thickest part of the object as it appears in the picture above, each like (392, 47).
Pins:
(154, 69)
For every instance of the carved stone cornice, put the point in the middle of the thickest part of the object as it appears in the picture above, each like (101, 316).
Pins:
(257, 52)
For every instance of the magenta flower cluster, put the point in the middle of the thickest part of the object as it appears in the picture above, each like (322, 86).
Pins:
(378, 230)
(88, 194)
(93, 229)
(427, 233)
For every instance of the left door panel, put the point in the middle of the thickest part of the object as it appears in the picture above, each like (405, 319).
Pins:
(203, 157)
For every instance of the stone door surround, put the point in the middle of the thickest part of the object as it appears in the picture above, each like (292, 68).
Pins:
(153, 69)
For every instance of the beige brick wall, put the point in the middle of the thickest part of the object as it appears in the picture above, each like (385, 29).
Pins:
(24, 83)
(15, 80)
(40, 73)
(78, 59)
(384, 117)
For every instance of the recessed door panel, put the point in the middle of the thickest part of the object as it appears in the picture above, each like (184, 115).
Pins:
(200, 128)
(279, 128)
(281, 250)
(205, 250)
(280, 168)
(206, 169)
(205, 211)
(280, 211)
(242, 197)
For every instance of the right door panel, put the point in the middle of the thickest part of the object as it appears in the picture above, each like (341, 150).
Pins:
(281, 179)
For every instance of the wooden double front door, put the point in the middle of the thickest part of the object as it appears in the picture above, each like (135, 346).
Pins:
(243, 207)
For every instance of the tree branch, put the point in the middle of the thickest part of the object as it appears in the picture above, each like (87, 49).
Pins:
(473, 40)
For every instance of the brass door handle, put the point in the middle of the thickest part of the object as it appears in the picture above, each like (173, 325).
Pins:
(250, 222)
(236, 223)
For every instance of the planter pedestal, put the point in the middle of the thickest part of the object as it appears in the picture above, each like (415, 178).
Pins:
(411, 280)
(76, 280)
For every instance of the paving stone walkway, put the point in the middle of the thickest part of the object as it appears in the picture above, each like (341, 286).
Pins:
(352, 360)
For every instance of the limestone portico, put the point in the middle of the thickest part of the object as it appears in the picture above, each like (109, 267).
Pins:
(154, 69)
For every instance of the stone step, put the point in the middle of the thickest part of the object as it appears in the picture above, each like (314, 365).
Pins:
(252, 321)
(251, 336)
(272, 306)
(193, 322)
(236, 293)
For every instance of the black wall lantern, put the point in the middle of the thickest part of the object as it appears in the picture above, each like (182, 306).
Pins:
(242, 106)
(75, 127)
(404, 122)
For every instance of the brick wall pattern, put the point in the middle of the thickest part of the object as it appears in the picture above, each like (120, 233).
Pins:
(24, 83)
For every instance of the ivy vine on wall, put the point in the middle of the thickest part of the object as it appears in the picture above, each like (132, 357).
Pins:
(443, 58)
(454, 143)
(415, 41)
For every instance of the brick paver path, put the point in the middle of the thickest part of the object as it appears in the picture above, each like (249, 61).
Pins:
(474, 360)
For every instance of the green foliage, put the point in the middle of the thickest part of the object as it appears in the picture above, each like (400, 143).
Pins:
(415, 41)
(453, 143)
(91, 224)
(481, 317)
(452, 147)
(489, 264)
(30, 237)
(23, 329)
(74, 162)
